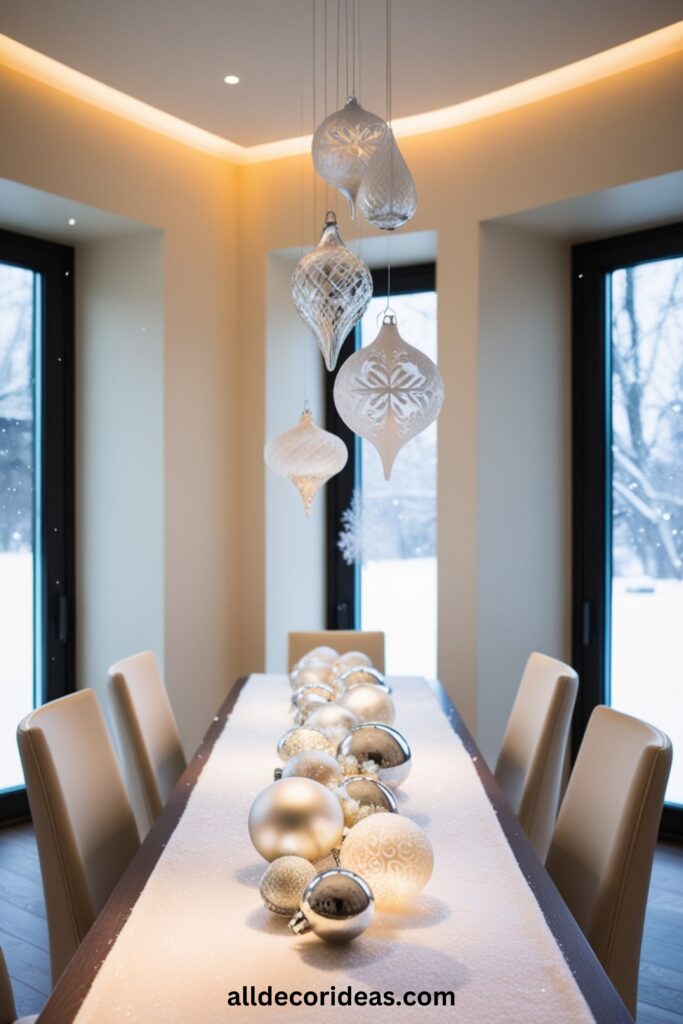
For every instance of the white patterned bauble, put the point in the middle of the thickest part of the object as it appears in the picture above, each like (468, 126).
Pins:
(388, 392)
(392, 854)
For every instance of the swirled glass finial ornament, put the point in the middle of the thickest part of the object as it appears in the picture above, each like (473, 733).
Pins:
(387, 196)
(331, 289)
(306, 455)
(343, 144)
(388, 392)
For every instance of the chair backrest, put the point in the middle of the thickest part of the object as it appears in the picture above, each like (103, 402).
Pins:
(342, 640)
(83, 820)
(601, 854)
(531, 758)
(8, 1011)
(146, 713)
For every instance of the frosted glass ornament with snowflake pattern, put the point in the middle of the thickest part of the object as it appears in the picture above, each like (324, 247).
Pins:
(388, 393)
(343, 145)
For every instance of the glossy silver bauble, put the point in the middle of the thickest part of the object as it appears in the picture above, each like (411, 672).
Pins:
(337, 905)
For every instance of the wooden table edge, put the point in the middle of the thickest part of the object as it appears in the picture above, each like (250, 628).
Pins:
(76, 981)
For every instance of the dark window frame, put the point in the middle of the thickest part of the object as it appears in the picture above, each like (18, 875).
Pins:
(54, 580)
(342, 580)
(592, 461)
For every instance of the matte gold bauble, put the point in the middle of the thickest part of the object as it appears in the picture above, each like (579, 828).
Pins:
(316, 765)
(333, 720)
(392, 854)
(310, 674)
(295, 817)
(283, 884)
(369, 703)
(351, 659)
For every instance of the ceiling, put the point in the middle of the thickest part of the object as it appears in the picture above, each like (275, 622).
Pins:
(174, 54)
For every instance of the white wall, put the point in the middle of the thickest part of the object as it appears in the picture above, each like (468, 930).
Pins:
(119, 453)
(524, 587)
(295, 562)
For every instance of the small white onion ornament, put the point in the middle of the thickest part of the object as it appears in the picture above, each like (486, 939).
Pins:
(306, 455)
(295, 817)
(392, 854)
(283, 884)
(388, 392)
(343, 145)
(331, 289)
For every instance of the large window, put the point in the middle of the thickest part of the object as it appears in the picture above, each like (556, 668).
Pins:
(36, 490)
(629, 482)
(382, 570)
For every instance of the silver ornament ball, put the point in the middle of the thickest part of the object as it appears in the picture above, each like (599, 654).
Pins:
(337, 905)
(383, 745)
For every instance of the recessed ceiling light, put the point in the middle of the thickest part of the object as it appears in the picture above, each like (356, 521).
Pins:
(231, 79)
(71, 222)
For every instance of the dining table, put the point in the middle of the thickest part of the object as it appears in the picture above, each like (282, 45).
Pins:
(186, 938)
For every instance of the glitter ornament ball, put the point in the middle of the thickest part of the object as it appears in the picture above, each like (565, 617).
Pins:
(392, 854)
(303, 738)
(337, 905)
(283, 884)
(316, 765)
(369, 703)
(295, 817)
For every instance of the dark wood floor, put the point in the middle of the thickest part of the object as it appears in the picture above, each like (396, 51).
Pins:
(23, 931)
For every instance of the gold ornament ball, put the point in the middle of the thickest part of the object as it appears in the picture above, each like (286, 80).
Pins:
(351, 659)
(283, 884)
(311, 674)
(295, 817)
(369, 703)
(316, 765)
(303, 738)
(333, 720)
(392, 854)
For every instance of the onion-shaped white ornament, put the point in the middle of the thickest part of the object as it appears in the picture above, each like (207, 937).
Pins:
(388, 392)
(343, 145)
(306, 455)
(387, 195)
(331, 289)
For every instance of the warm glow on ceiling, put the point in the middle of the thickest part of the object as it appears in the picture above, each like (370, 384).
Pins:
(629, 55)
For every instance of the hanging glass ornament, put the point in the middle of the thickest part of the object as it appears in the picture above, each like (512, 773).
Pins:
(306, 455)
(344, 143)
(387, 195)
(331, 289)
(388, 392)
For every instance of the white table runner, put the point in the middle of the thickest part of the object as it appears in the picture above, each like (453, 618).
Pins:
(199, 929)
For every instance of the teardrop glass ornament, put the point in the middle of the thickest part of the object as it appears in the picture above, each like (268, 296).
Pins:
(387, 196)
(331, 289)
(388, 392)
(343, 144)
(306, 455)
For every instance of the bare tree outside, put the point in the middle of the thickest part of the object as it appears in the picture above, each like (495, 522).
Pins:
(647, 499)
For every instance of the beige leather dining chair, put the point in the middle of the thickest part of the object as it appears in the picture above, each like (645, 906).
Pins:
(531, 759)
(83, 820)
(342, 640)
(146, 714)
(601, 854)
(8, 1011)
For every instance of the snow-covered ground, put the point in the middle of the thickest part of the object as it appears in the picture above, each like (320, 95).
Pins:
(399, 596)
(16, 658)
(647, 660)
